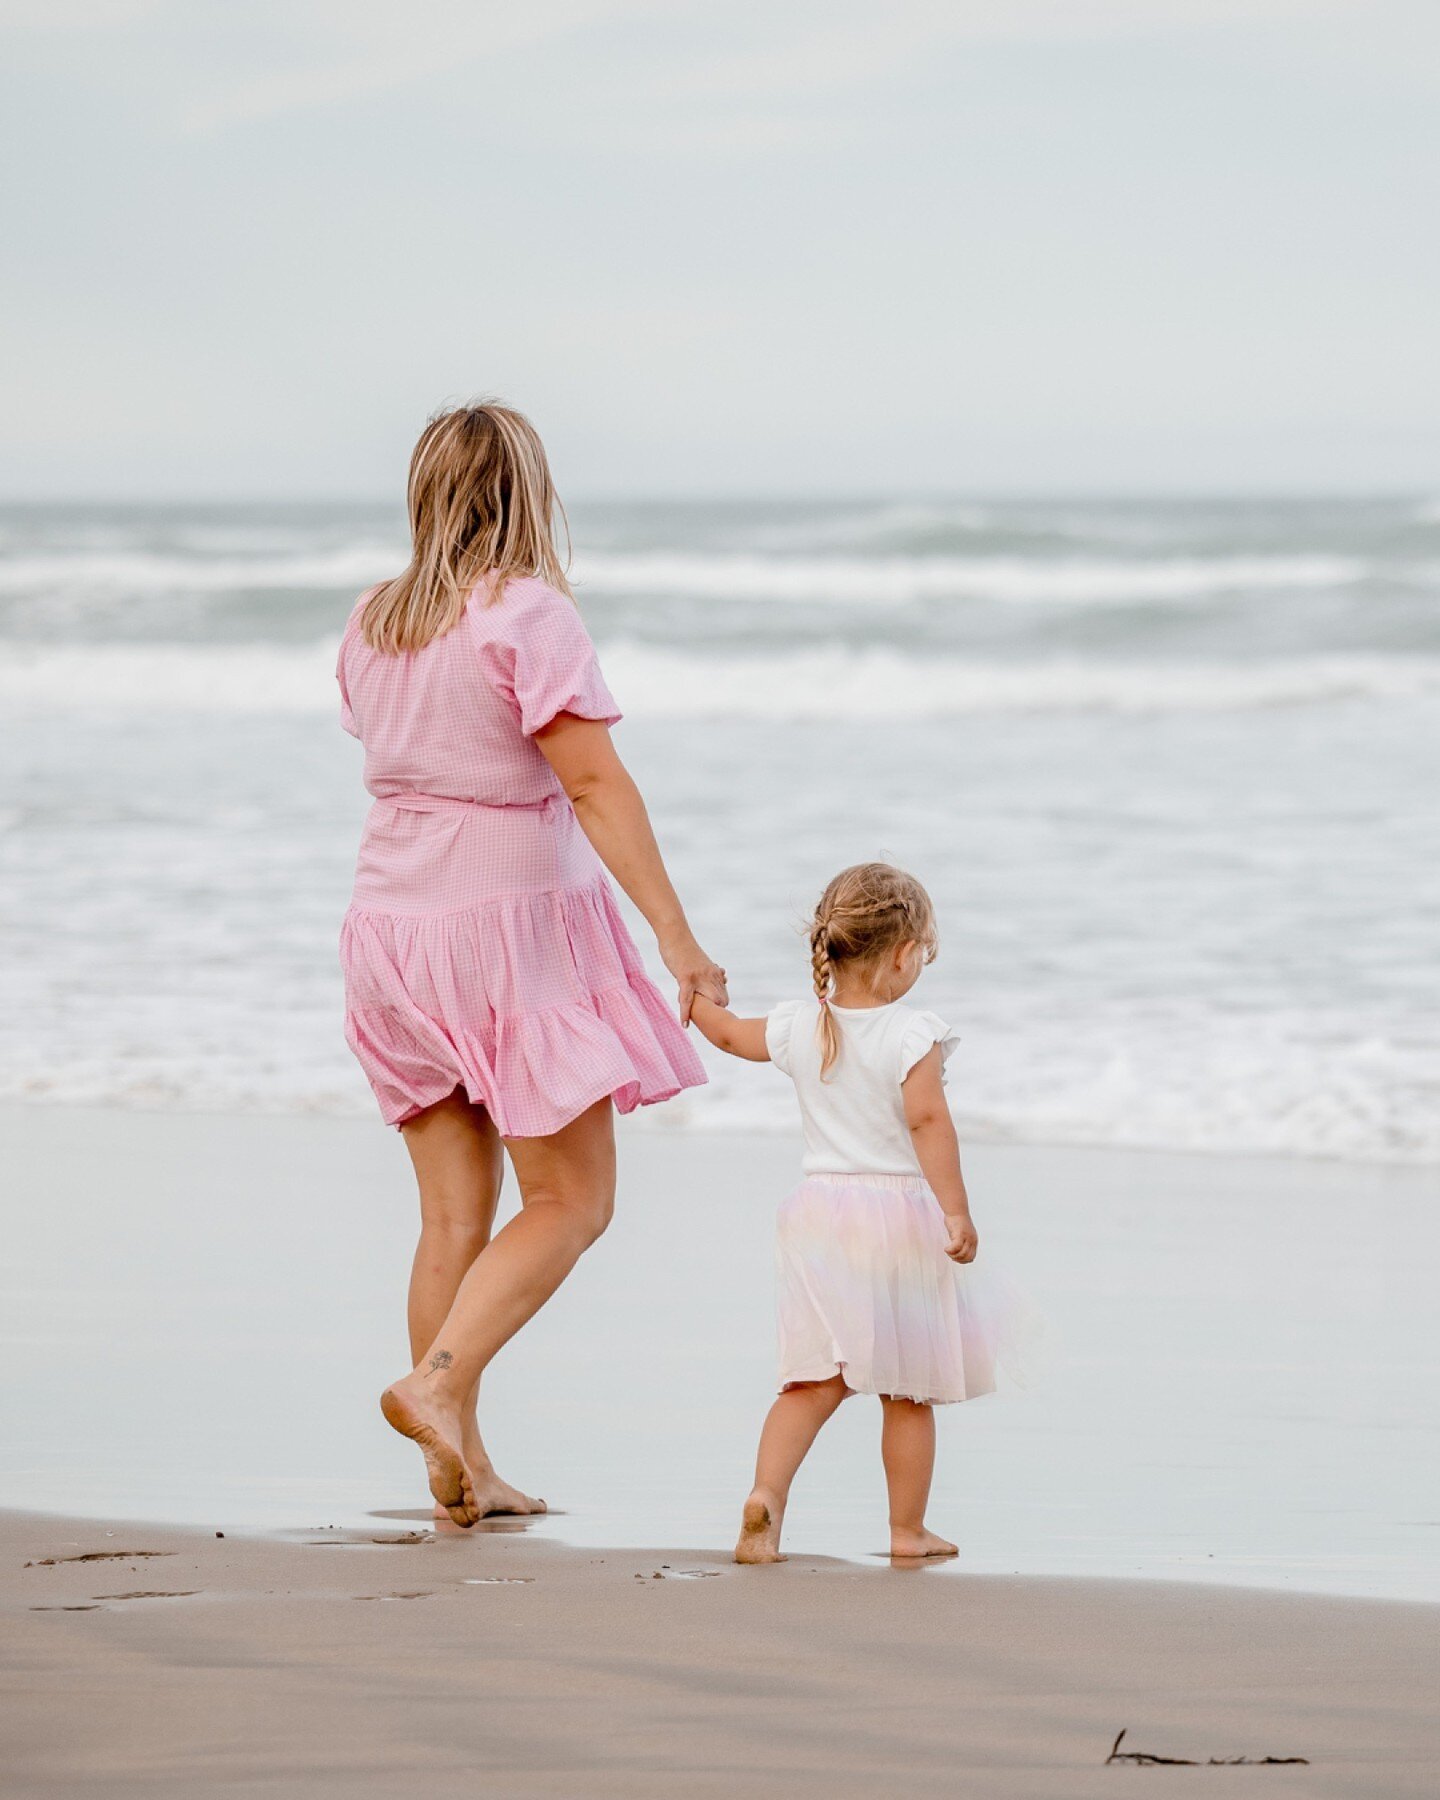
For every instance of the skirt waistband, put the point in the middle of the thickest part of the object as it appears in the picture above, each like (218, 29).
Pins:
(863, 1178)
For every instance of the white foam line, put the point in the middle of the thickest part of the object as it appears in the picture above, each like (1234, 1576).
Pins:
(830, 682)
(854, 580)
(893, 580)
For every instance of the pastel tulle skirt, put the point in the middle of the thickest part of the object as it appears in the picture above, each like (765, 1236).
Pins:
(866, 1291)
(484, 951)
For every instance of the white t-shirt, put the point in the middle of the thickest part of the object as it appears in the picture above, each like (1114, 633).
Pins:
(855, 1120)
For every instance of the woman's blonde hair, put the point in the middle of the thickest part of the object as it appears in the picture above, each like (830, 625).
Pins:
(482, 507)
(866, 912)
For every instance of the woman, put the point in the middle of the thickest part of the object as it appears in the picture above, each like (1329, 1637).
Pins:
(493, 995)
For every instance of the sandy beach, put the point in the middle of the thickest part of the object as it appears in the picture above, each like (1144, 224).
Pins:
(372, 1664)
(1225, 1411)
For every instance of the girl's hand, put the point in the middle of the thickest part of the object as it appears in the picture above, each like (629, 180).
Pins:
(963, 1239)
(694, 973)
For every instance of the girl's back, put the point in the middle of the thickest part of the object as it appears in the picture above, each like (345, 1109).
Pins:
(853, 1115)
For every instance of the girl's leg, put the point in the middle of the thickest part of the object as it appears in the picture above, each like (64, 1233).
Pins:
(567, 1193)
(459, 1167)
(907, 1445)
(791, 1427)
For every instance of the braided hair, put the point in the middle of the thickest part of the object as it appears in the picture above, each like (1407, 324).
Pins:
(864, 913)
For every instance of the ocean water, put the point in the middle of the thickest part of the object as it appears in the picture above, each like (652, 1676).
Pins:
(1167, 768)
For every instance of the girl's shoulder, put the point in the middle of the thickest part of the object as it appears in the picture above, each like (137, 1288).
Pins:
(913, 1032)
(888, 1039)
(780, 1024)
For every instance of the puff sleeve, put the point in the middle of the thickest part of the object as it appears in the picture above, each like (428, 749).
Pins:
(920, 1030)
(551, 666)
(347, 718)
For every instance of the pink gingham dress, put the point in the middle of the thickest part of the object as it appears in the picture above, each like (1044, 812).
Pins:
(483, 949)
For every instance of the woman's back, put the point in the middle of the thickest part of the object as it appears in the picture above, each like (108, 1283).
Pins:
(456, 718)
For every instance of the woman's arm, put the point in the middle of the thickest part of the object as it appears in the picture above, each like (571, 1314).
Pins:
(612, 815)
(932, 1131)
(741, 1037)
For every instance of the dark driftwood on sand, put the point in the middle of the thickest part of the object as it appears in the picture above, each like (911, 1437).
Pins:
(1117, 1755)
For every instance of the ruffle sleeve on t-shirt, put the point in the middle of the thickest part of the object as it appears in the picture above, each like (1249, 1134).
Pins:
(779, 1023)
(921, 1030)
(551, 667)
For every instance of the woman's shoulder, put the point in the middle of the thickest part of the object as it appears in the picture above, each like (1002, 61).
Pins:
(357, 610)
(523, 605)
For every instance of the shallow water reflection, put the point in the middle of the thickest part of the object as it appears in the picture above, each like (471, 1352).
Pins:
(200, 1313)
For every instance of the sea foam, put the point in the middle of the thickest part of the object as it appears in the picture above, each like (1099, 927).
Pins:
(863, 580)
(829, 682)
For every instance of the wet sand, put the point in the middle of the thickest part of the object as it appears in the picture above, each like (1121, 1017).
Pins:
(1245, 1387)
(360, 1664)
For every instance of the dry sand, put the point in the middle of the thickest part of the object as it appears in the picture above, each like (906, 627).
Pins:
(400, 1663)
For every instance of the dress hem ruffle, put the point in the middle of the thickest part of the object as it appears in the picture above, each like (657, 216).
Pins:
(612, 1032)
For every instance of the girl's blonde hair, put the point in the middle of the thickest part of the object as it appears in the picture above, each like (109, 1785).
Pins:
(864, 914)
(482, 506)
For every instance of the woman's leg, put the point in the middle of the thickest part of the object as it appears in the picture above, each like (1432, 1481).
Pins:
(459, 1166)
(791, 1427)
(567, 1193)
(907, 1446)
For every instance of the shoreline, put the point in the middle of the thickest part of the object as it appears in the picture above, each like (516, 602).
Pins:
(652, 1121)
(357, 1663)
(1211, 1418)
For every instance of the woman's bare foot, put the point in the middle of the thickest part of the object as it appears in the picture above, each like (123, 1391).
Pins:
(759, 1531)
(494, 1497)
(904, 1542)
(436, 1429)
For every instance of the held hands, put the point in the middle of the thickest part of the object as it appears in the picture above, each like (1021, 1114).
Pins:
(694, 972)
(963, 1240)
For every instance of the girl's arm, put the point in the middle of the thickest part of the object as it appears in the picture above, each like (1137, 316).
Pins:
(612, 815)
(932, 1131)
(741, 1037)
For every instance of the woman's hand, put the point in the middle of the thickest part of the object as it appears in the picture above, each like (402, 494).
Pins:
(694, 972)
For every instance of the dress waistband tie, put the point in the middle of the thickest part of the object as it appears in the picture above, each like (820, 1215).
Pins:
(418, 802)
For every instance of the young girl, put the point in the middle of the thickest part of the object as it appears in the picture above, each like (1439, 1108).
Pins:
(873, 1295)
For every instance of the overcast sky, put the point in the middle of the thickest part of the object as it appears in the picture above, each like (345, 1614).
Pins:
(795, 246)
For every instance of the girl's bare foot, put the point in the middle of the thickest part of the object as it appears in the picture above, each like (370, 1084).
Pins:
(905, 1542)
(759, 1531)
(436, 1429)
